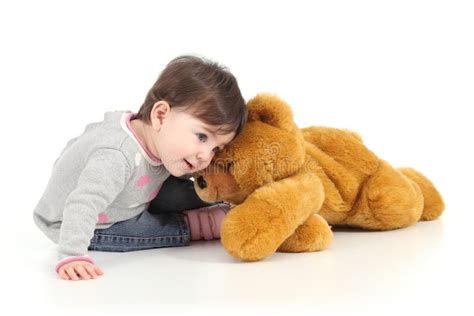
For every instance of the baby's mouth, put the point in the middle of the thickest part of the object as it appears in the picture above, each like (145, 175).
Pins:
(189, 164)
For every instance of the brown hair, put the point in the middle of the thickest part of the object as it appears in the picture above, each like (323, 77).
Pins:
(208, 90)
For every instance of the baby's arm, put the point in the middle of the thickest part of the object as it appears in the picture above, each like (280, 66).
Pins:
(100, 182)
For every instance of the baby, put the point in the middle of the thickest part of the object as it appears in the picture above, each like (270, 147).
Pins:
(102, 184)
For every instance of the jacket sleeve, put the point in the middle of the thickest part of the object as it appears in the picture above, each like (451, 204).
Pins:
(100, 182)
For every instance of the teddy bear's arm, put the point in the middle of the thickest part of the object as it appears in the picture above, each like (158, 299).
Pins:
(313, 235)
(256, 228)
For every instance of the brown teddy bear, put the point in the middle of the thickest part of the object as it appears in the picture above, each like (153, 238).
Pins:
(289, 184)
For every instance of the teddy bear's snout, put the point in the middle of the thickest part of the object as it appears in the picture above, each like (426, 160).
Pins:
(201, 182)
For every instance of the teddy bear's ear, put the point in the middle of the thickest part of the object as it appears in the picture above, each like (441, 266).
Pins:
(272, 110)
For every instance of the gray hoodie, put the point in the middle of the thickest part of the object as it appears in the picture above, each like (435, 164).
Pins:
(102, 177)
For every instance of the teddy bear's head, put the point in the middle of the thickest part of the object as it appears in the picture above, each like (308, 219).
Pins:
(270, 147)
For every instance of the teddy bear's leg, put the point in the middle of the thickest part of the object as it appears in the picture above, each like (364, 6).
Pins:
(387, 200)
(433, 202)
(256, 228)
(313, 235)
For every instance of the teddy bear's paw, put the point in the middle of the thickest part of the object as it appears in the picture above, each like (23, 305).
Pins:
(250, 236)
(313, 235)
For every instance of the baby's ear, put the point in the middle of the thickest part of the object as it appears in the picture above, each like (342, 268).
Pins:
(272, 110)
(159, 112)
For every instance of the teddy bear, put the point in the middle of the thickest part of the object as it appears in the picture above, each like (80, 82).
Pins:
(287, 185)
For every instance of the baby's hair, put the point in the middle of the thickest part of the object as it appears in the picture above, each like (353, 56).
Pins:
(208, 91)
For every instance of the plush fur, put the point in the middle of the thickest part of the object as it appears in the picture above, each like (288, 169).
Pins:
(289, 184)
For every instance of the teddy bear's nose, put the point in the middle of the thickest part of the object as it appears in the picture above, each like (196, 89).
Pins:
(201, 182)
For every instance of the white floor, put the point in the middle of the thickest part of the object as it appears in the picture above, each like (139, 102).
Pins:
(423, 268)
(397, 72)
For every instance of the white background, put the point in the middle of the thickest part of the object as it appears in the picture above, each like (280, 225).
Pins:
(401, 73)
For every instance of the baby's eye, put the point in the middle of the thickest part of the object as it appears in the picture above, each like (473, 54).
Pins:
(202, 137)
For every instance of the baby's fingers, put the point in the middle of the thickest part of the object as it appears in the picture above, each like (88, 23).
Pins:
(82, 272)
(98, 270)
(72, 274)
(91, 270)
(63, 274)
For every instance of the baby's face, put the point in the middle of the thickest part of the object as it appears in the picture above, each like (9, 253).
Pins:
(185, 144)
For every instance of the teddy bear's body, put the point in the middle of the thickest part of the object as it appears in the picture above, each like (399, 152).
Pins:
(289, 183)
(362, 190)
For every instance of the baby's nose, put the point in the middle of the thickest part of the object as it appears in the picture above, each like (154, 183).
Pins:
(205, 156)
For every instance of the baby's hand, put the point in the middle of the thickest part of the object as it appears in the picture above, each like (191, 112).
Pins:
(79, 270)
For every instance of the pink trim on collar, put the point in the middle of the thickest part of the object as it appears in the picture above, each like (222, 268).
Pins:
(130, 117)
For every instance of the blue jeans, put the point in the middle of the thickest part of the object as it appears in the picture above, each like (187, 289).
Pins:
(144, 231)
(162, 225)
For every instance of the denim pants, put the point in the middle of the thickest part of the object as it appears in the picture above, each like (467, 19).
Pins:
(161, 225)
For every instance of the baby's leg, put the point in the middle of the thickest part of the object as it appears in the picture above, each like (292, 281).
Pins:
(168, 229)
(205, 223)
(203, 219)
(145, 231)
